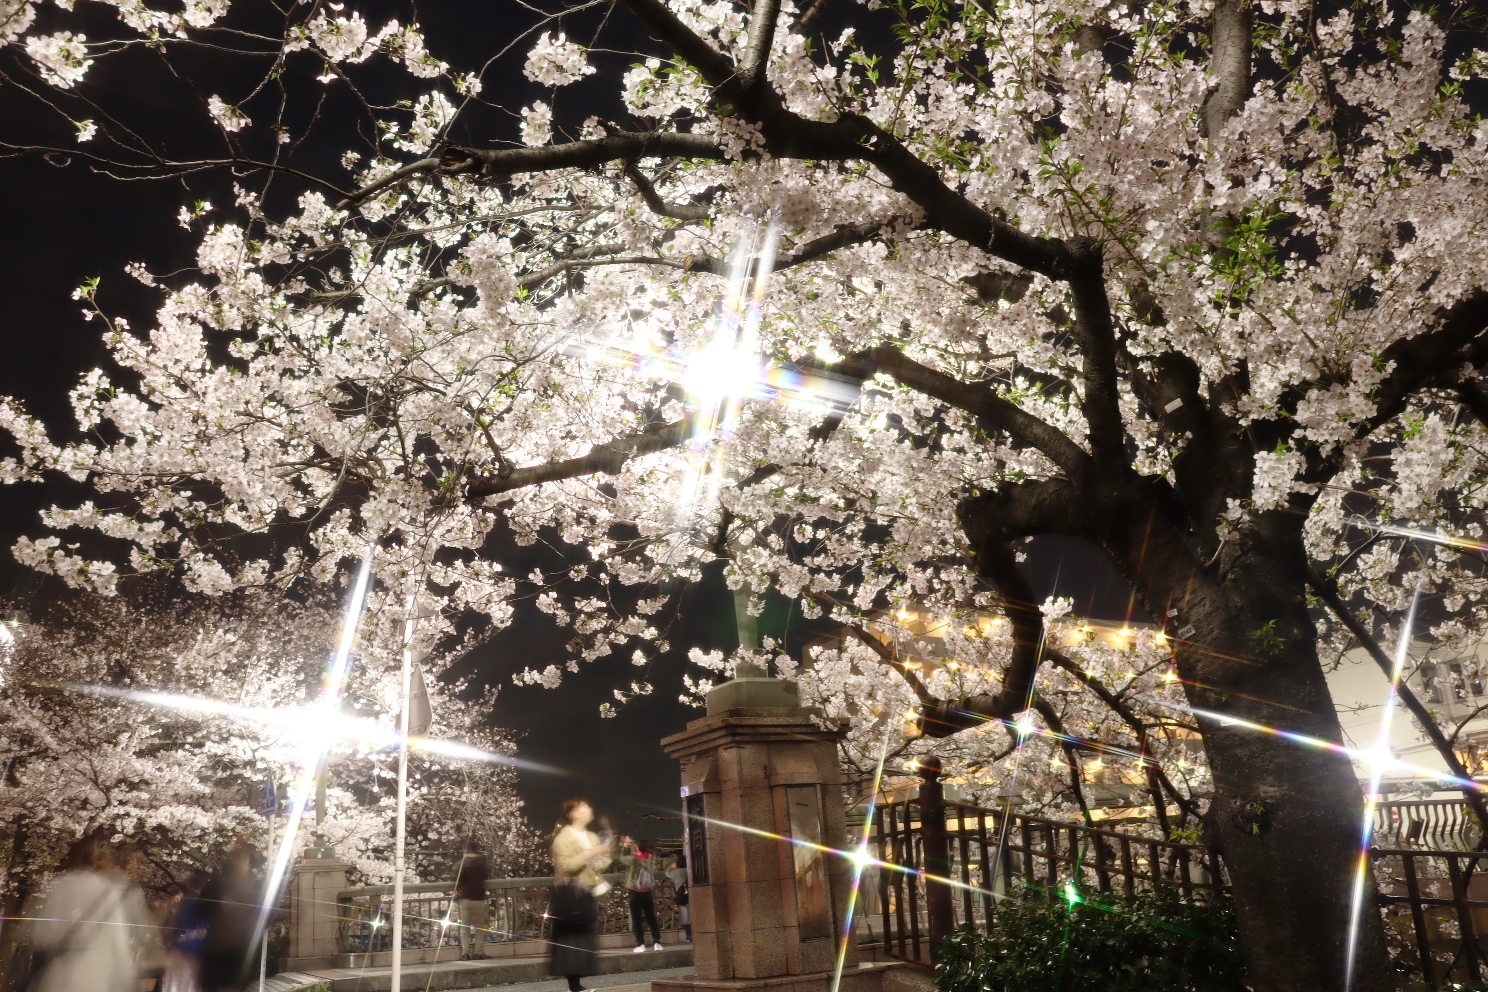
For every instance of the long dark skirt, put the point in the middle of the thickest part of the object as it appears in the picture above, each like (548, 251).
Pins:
(575, 918)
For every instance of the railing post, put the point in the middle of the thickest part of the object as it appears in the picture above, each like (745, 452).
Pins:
(314, 910)
(938, 898)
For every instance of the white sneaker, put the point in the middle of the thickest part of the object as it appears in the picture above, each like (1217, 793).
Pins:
(656, 946)
(640, 949)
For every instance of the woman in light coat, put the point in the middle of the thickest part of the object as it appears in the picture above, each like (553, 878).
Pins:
(83, 937)
(578, 858)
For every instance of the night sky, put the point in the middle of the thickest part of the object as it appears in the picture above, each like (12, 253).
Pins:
(63, 222)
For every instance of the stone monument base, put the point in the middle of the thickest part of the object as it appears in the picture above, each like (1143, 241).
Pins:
(874, 976)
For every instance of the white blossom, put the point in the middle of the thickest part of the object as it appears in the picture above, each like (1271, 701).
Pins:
(556, 61)
(62, 57)
(228, 117)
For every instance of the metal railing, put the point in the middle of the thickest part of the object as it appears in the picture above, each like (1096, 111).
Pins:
(988, 856)
(1426, 823)
(517, 912)
(1435, 907)
(1434, 902)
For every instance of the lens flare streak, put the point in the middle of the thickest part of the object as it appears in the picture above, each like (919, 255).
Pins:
(314, 757)
(861, 859)
(1371, 798)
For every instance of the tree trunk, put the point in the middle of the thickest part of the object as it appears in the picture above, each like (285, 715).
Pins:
(1286, 816)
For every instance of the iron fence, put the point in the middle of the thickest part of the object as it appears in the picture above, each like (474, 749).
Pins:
(1435, 908)
(987, 856)
(960, 861)
(517, 910)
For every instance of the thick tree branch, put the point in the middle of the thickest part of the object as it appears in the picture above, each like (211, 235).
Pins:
(1475, 398)
(978, 400)
(996, 562)
(1431, 358)
(1023, 509)
(754, 68)
(1329, 594)
(1229, 63)
(420, 167)
(850, 137)
(676, 211)
(608, 458)
(1097, 337)
(808, 16)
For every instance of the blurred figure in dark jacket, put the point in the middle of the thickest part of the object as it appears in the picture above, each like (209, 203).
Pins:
(470, 901)
(188, 935)
(231, 903)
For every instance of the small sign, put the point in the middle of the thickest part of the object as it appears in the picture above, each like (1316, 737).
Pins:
(1186, 632)
(268, 799)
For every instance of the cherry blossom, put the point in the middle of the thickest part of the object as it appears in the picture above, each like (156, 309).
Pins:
(1203, 286)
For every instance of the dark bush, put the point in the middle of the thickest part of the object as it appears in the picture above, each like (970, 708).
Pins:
(1101, 944)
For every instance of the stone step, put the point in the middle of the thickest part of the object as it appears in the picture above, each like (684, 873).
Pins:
(457, 974)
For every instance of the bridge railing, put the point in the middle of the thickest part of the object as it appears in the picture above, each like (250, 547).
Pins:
(517, 910)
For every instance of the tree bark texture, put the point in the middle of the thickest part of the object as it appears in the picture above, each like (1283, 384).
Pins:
(1285, 816)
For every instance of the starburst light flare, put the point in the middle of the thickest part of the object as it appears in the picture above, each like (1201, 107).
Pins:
(726, 370)
(1419, 534)
(1371, 798)
(315, 728)
(861, 859)
(1371, 759)
(312, 758)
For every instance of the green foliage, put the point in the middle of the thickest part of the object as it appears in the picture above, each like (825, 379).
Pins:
(1267, 640)
(1096, 943)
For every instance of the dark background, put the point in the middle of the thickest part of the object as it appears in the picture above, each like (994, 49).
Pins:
(64, 221)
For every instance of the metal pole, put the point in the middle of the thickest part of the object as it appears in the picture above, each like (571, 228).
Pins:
(937, 853)
(403, 725)
(263, 950)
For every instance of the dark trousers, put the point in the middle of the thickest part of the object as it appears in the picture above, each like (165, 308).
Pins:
(643, 902)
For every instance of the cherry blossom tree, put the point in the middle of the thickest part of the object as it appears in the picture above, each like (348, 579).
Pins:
(160, 719)
(1202, 284)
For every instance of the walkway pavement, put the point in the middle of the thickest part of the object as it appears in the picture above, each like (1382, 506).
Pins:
(621, 971)
(636, 981)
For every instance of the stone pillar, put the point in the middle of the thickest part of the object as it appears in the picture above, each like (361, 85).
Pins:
(762, 794)
(313, 913)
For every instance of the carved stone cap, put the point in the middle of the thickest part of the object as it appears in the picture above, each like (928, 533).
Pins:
(753, 725)
(752, 688)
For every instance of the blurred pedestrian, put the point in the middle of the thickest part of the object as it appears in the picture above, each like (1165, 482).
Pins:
(677, 875)
(640, 880)
(188, 935)
(81, 940)
(231, 905)
(578, 858)
(470, 901)
(131, 869)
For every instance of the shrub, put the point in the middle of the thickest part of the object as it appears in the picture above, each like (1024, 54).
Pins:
(1145, 943)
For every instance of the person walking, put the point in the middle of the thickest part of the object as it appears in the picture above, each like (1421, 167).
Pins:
(470, 901)
(188, 936)
(640, 879)
(677, 875)
(230, 902)
(578, 858)
(80, 941)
